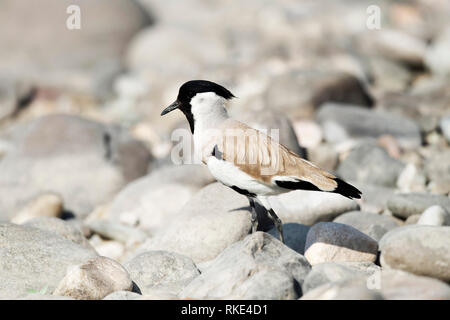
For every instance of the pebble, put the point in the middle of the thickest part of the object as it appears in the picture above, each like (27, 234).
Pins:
(94, 279)
(336, 242)
(44, 205)
(372, 224)
(418, 249)
(408, 204)
(161, 270)
(435, 216)
(39, 261)
(258, 267)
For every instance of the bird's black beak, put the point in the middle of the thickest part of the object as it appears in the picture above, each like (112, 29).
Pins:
(172, 107)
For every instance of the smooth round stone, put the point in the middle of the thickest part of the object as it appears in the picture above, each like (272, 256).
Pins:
(336, 242)
(422, 250)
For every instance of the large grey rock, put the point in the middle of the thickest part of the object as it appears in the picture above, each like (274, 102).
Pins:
(344, 122)
(52, 47)
(336, 242)
(422, 250)
(161, 270)
(350, 289)
(258, 267)
(370, 165)
(299, 93)
(373, 224)
(94, 280)
(408, 204)
(214, 218)
(152, 202)
(310, 207)
(86, 162)
(400, 285)
(61, 227)
(294, 236)
(32, 259)
(333, 272)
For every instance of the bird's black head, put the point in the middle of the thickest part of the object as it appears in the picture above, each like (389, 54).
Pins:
(189, 90)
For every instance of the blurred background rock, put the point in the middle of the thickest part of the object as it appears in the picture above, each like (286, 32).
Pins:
(80, 112)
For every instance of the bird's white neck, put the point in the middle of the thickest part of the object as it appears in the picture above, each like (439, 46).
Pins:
(208, 110)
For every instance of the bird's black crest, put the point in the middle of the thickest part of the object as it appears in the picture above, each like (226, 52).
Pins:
(189, 89)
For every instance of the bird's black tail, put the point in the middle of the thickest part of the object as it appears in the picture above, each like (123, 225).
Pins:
(347, 190)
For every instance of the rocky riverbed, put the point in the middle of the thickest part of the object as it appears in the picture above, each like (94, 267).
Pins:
(92, 205)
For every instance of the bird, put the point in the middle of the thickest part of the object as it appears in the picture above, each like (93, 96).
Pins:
(245, 159)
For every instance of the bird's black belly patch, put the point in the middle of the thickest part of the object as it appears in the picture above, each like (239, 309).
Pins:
(242, 191)
(295, 185)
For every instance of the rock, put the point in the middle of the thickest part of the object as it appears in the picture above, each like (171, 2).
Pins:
(336, 242)
(437, 169)
(61, 227)
(309, 132)
(58, 153)
(343, 290)
(267, 120)
(334, 272)
(422, 250)
(110, 249)
(411, 179)
(375, 197)
(435, 216)
(400, 285)
(38, 296)
(398, 46)
(310, 207)
(444, 124)
(408, 204)
(372, 224)
(412, 219)
(94, 279)
(343, 122)
(52, 47)
(436, 57)
(14, 95)
(299, 93)
(214, 218)
(389, 75)
(122, 295)
(294, 236)
(33, 259)
(324, 156)
(161, 270)
(154, 201)
(117, 231)
(371, 165)
(45, 205)
(258, 267)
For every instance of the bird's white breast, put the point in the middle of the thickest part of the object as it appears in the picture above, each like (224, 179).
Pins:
(230, 175)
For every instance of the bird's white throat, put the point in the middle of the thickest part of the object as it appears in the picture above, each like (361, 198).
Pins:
(208, 110)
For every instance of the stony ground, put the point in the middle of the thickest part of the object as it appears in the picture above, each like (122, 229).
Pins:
(92, 206)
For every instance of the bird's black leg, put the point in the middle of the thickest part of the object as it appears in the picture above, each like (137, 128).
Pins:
(277, 222)
(254, 215)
